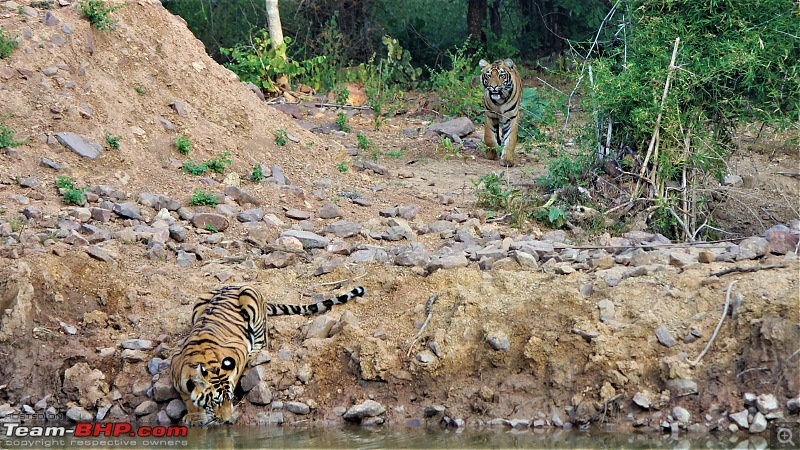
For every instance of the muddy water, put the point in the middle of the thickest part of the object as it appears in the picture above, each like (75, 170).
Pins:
(417, 438)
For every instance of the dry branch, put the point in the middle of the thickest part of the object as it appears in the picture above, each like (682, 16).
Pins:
(747, 269)
(719, 325)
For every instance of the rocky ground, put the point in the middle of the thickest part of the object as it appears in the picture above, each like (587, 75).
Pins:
(466, 321)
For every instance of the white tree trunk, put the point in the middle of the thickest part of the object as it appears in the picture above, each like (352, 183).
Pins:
(276, 34)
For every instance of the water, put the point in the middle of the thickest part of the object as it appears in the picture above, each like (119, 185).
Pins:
(354, 437)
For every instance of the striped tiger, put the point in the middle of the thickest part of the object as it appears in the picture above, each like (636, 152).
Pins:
(228, 326)
(502, 90)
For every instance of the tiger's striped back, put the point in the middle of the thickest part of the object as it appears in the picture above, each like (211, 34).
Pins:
(502, 91)
(229, 325)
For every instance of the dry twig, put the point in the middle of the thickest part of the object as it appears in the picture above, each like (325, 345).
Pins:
(719, 325)
(429, 309)
(747, 269)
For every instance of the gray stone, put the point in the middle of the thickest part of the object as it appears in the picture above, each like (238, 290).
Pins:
(681, 415)
(177, 232)
(250, 215)
(47, 162)
(307, 238)
(681, 259)
(279, 259)
(327, 267)
(732, 180)
(766, 403)
(278, 176)
(270, 418)
(78, 414)
(101, 214)
(433, 410)
(260, 395)
(145, 408)
(408, 210)
(165, 123)
(641, 400)
(252, 377)
(740, 419)
(606, 310)
(137, 344)
(498, 340)
(781, 240)
(759, 423)
(426, 357)
(164, 389)
(134, 355)
(81, 145)
(101, 254)
(329, 211)
(454, 129)
(178, 107)
(411, 258)
(212, 221)
(682, 385)
(185, 259)
(30, 182)
(664, 337)
(793, 405)
(343, 229)
(297, 408)
(157, 365)
(297, 214)
(377, 168)
(369, 408)
(32, 212)
(525, 259)
(752, 248)
(128, 210)
(69, 329)
(448, 262)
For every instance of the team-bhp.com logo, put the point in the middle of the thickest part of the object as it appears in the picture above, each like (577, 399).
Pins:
(92, 434)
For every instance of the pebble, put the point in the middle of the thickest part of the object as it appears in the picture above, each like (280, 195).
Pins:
(766, 403)
(740, 419)
(641, 400)
(664, 337)
(369, 408)
(759, 423)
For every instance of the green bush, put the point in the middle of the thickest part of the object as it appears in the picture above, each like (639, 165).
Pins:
(63, 182)
(203, 197)
(183, 145)
(261, 64)
(7, 44)
(113, 141)
(217, 165)
(454, 85)
(342, 167)
(7, 136)
(97, 13)
(281, 138)
(257, 174)
(75, 196)
(566, 170)
(363, 142)
(343, 122)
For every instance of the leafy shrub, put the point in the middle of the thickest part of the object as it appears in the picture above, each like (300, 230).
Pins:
(191, 167)
(7, 136)
(449, 149)
(218, 165)
(363, 142)
(342, 167)
(536, 110)
(493, 191)
(395, 153)
(63, 182)
(112, 141)
(261, 64)
(454, 85)
(97, 13)
(257, 174)
(203, 197)
(74, 196)
(565, 170)
(183, 145)
(343, 122)
(7, 44)
(281, 138)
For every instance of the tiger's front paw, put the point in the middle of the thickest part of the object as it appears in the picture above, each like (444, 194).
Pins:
(506, 163)
(491, 154)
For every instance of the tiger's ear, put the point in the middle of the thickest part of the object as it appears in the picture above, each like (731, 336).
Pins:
(509, 63)
(482, 63)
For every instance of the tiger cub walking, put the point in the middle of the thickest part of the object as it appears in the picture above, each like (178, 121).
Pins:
(502, 90)
(228, 326)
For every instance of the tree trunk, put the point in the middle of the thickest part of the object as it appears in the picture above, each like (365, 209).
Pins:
(276, 35)
(476, 19)
(495, 22)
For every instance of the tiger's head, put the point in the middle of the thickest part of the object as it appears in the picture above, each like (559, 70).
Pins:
(206, 381)
(498, 79)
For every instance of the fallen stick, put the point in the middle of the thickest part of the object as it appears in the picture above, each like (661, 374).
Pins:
(429, 309)
(719, 325)
(747, 269)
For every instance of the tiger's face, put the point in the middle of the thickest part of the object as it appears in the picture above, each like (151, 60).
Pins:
(497, 79)
(206, 383)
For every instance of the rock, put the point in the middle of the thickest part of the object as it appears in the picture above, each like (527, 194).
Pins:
(377, 168)
(793, 405)
(68, 329)
(606, 310)
(732, 179)
(81, 145)
(270, 418)
(157, 365)
(137, 344)
(252, 377)
(133, 355)
(278, 176)
(127, 210)
(752, 248)
(706, 256)
(682, 386)
(101, 214)
(434, 410)
(426, 357)
(585, 412)
(498, 340)
(343, 229)
(320, 327)
(145, 408)
(307, 238)
(681, 259)
(454, 129)
(260, 395)
(163, 389)
(297, 214)
(408, 210)
(250, 215)
(211, 221)
(781, 240)
(297, 408)
(525, 259)
(185, 259)
(447, 262)
(176, 409)
(369, 408)
(329, 211)
(328, 267)
(30, 182)
(241, 197)
(178, 107)
(664, 337)
(641, 400)
(740, 419)
(759, 423)
(766, 403)
(279, 259)
(78, 414)
(681, 415)
(88, 386)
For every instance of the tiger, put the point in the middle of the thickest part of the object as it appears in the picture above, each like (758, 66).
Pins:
(502, 90)
(229, 325)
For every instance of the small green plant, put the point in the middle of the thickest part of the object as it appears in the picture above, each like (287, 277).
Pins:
(16, 222)
(211, 228)
(454, 85)
(565, 170)
(342, 167)
(74, 196)
(7, 136)
(449, 149)
(218, 165)
(192, 168)
(7, 44)
(493, 191)
(140, 90)
(183, 145)
(341, 94)
(555, 215)
(363, 142)
(395, 154)
(335, 200)
(257, 174)
(112, 141)
(343, 122)
(63, 182)
(281, 138)
(203, 197)
(97, 13)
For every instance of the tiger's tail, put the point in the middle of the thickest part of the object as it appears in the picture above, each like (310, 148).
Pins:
(278, 309)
